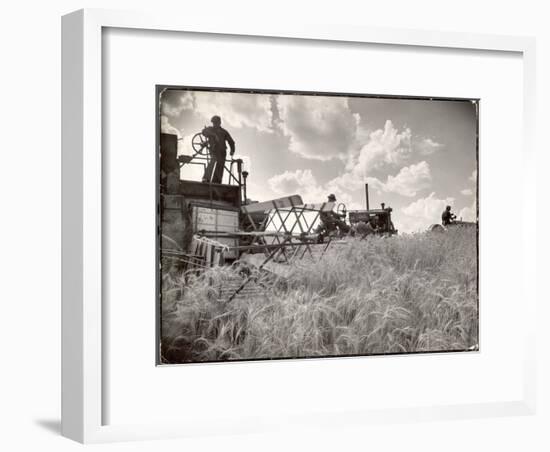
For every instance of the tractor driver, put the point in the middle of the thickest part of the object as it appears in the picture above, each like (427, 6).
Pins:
(373, 224)
(381, 222)
(217, 138)
(330, 220)
(363, 229)
(447, 217)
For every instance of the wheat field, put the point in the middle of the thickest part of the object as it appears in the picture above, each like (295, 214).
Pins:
(410, 293)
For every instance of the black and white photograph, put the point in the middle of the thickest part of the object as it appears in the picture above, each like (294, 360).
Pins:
(313, 225)
(293, 227)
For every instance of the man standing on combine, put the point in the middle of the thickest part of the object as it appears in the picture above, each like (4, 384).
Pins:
(217, 138)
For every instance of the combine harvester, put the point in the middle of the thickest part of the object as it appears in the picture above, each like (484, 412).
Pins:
(204, 224)
(437, 227)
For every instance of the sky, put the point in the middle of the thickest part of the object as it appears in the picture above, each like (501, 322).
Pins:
(417, 155)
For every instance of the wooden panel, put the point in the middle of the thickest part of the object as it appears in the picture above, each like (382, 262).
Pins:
(217, 220)
(193, 190)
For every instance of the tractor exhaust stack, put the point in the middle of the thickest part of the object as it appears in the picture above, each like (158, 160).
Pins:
(245, 175)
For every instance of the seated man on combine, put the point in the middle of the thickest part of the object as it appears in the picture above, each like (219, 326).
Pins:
(447, 217)
(331, 221)
(217, 138)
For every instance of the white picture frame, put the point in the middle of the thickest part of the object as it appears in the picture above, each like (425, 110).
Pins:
(83, 196)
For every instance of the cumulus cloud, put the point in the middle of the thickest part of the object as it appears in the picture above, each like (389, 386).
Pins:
(320, 128)
(166, 127)
(427, 146)
(304, 183)
(292, 182)
(236, 109)
(468, 213)
(423, 212)
(410, 180)
(470, 191)
(387, 146)
(174, 102)
(407, 182)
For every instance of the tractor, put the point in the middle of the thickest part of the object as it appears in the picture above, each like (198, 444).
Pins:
(379, 218)
(437, 227)
(202, 224)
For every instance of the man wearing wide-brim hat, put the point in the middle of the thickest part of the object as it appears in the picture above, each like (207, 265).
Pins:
(330, 221)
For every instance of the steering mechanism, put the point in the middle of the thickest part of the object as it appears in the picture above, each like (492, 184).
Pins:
(200, 144)
(341, 209)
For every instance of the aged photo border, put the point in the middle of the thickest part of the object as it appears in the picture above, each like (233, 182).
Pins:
(82, 206)
(159, 89)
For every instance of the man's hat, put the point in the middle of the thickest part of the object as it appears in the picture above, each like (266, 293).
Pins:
(331, 197)
(215, 118)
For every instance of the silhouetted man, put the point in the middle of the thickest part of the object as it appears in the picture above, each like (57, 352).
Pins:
(447, 216)
(217, 139)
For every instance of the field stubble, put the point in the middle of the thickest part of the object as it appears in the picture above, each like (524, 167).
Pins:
(413, 293)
